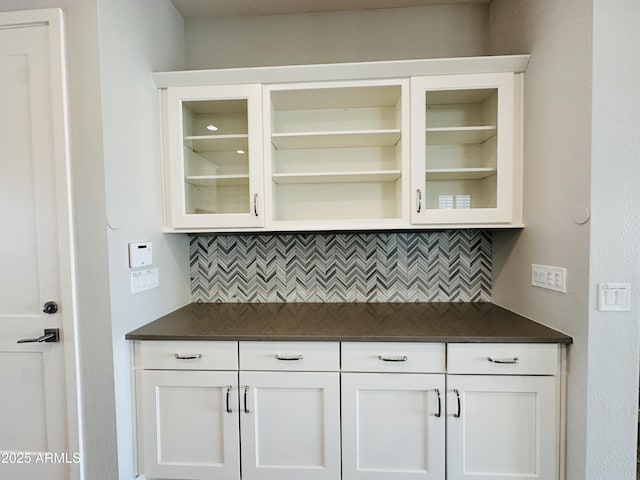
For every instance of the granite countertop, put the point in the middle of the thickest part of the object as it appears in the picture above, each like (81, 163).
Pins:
(356, 322)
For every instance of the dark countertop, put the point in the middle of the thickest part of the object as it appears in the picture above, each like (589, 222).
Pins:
(356, 322)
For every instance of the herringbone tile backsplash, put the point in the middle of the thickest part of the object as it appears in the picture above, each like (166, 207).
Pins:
(448, 266)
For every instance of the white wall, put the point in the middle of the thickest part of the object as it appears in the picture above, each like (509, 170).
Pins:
(392, 34)
(136, 39)
(557, 152)
(615, 240)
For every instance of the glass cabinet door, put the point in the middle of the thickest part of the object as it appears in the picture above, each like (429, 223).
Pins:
(463, 149)
(215, 156)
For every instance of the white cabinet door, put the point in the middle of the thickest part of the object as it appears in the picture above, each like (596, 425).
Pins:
(464, 165)
(214, 166)
(501, 427)
(188, 422)
(393, 426)
(290, 425)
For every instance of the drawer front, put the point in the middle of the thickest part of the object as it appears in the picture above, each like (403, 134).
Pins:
(393, 357)
(502, 358)
(187, 355)
(293, 356)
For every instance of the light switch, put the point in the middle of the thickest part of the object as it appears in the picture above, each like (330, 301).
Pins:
(140, 255)
(614, 297)
(146, 279)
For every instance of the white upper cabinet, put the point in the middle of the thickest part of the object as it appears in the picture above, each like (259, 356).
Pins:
(338, 153)
(464, 162)
(367, 146)
(214, 165)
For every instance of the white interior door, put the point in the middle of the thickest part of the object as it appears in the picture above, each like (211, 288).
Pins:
(34, 441)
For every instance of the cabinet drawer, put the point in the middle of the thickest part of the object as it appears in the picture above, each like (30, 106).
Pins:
(307, 356)
(180, 355)
(393, 357)
(502, 358)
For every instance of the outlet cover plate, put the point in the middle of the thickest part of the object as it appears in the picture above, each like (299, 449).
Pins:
(551, 278)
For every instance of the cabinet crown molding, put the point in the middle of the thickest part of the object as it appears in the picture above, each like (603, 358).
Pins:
(343, 71)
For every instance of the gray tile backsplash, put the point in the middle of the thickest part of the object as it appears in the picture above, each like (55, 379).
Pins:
(443, 266)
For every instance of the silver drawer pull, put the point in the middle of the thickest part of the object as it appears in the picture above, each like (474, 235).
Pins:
(504, 361)
(193, 356)
(289, 358)
(388, 358)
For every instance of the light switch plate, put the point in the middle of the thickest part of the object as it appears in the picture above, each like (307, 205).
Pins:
(551, 278)
(140, 254)
(614, 297)
(145, 279)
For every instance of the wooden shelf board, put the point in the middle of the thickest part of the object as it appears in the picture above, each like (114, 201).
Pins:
(337, 177)
(459, 173)
(360, 138)
(459, 135)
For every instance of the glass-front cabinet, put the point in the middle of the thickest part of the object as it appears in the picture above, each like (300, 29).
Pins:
(215, 167)
(462, 149)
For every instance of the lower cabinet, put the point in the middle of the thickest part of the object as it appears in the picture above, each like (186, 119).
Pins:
(350, 411)
(188, 424)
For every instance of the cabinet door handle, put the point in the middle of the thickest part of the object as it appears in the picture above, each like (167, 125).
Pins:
(390, 358)
(289, 357)
(459, 412)
(246, 406)
(419, 192)
(255, 204)
(229, 387)
(439, 414)
(504, 361)
(193, 356)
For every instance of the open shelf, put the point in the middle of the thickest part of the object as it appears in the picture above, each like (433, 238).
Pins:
(459, 173)
(340, 139)
(337, 177)
(459, 135)
(217, 180)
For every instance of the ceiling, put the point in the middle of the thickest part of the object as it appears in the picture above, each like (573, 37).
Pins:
(218, 8)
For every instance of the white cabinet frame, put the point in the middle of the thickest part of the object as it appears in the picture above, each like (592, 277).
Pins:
(175, 169)
(507, 157)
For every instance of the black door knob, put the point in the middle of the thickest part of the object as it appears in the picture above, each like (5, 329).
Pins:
(50, 308)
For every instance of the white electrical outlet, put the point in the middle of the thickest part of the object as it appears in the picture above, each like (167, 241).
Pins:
(552, 278)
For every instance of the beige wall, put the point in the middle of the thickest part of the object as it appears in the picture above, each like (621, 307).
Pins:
(580, 150)
(557, 152)
(392, 34)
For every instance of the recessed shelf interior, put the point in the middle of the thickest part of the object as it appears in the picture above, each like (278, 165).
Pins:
(336, 152)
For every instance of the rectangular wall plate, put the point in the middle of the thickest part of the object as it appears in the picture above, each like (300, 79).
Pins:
(551, 278)
(146, 279)
(614, 297)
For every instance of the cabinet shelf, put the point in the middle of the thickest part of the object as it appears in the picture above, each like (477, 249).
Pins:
(459, 135)
(340, 139)
(337, 177)
(217, 143)
(217, 180)
(459, 173)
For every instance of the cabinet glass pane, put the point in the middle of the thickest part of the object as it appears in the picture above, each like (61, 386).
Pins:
(461, 149)
(216, 156)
